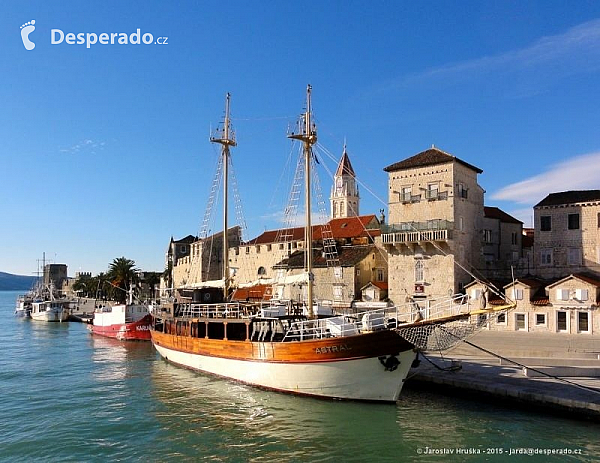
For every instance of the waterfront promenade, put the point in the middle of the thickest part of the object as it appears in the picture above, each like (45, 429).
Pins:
(572, 363)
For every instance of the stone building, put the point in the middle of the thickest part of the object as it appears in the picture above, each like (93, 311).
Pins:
(345, 200)
(357, 266)
(433, 239)
(259, 261)
(55, 275)
(204, 260)
(567, 234)
(568, 305)
(502, 238)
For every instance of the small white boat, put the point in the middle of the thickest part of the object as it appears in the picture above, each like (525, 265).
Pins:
(23, 307)
(49, 311)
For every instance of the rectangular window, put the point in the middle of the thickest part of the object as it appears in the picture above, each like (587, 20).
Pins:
(546, 257)
(257, 249)
(247, 249)
(475, 294)
(432, 190)
(540, 319)
(562, 294)
(461, 224)
(380, 274)
(269, 247)
(501, 319)
(337, 292)
(561, 321)
(419, 275)
(545, 223)
(583, 322)
(405, 193)
(581, 294)
(513, 238)
(517, 294)
(462, 190)
(520, 322)
(598, 219)
(337, 272)
(573, 221)
(487, 236)
(574, 256)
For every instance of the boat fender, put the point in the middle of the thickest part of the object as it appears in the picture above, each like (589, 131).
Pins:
(390, 363)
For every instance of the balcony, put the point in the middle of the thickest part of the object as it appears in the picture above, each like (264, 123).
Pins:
(409, 233)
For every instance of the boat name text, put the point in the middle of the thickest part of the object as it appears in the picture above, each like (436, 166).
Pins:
(330, 349)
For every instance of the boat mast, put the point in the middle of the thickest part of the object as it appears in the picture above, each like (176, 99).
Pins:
(225, 138)
(308, 136)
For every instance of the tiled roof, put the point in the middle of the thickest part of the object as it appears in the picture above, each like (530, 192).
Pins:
(350, 227)
(429, 157)
(348, 256)
(353, 227)
(491, 212)
(569, 197)
(381, 285)
(270, 236)
(588, 278)
(530, 281)
(187, 240)
(345, 167)
(592, 279)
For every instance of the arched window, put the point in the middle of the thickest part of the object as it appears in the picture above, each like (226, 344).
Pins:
(419, 277)
(262, 271)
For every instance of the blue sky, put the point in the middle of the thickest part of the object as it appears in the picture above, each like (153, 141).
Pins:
(104, 150)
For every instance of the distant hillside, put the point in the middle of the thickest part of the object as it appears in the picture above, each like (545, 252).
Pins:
(10, 282)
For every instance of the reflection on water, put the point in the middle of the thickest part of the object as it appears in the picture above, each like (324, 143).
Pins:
(208, 415)
(202, 416)
(66, 395)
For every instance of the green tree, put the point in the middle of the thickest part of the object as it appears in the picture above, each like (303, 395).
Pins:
(86, 284)
(122, 274)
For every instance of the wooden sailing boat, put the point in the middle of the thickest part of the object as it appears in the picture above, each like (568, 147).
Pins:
(335, 357)
(365, 356)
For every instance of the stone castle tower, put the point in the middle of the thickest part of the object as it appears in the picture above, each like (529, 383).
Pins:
(344, 193)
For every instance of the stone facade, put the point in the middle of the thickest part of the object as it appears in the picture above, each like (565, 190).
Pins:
(345, 200)
(358, 265)
(435, 209)
(204, 261)
(567, 234)
(502, 238)
(55, 275)
(568, 305)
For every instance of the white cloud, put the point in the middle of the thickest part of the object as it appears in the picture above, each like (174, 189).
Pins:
(580, 173)
(86, 146)
(548, 59)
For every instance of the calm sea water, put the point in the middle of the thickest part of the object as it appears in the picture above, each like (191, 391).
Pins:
(66, 395)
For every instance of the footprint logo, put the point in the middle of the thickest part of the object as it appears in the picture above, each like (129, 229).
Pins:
(27, 29)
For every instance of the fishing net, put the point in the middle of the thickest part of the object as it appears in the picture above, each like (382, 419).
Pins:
(445, 330)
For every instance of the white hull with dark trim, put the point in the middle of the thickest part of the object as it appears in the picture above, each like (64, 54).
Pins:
(354, 379)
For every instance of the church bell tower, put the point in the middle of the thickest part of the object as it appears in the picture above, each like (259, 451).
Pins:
(344, 193)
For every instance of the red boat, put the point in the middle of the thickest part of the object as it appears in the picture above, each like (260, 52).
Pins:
(124, 321)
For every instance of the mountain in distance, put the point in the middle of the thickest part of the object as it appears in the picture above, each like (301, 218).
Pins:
(10, 282)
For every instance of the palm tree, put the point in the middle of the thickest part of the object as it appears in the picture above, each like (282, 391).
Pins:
(122, 273)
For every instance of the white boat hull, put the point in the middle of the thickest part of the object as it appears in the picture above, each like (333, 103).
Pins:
(49, 316)
(356, 379)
